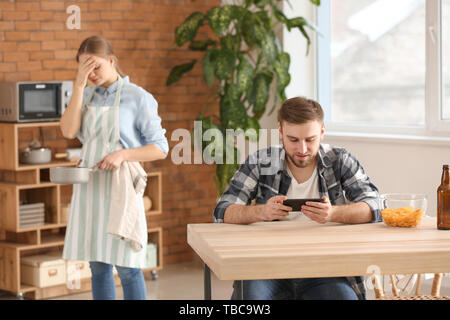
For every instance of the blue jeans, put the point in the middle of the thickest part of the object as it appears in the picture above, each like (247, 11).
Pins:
(103, 284)
(298, 289)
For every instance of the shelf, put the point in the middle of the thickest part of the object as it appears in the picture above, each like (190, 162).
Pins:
(24, 183)
(25, 167)
(60, 290)
(17, 136)
(26, 288)
(33, 186)
(36, 124)
(153, 190)
(12, 194)
(155, 236)
(44, 227)
(53, 241)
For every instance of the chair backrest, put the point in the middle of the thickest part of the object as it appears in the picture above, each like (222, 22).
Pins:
(435, 289)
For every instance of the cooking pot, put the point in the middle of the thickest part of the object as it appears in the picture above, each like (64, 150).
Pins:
(38, 155)
(70, 175)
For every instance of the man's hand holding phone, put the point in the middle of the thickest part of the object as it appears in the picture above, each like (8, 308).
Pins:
(319, 210)
(274, 209)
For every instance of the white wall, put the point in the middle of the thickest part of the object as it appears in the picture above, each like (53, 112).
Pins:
(400, 166)
(394, 165)
(301, 70)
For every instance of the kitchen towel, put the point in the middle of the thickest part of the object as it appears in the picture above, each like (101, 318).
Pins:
(125, 222)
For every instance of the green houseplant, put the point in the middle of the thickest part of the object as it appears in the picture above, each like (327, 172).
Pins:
(241, 62)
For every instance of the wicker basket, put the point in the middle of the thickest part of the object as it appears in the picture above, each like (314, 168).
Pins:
(435, 290)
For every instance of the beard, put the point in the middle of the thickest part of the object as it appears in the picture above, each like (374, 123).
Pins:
(301, 163)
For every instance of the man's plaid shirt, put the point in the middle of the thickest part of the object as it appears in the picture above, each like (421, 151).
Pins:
(264, 175)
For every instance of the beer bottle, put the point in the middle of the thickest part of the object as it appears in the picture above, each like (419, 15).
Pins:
(443, 201)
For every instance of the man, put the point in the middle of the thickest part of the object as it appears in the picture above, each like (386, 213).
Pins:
(304, 168)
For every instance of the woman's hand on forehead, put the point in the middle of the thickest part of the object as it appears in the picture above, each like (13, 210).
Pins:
(85, 57)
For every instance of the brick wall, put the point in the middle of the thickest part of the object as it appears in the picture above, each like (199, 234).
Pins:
(36, 45)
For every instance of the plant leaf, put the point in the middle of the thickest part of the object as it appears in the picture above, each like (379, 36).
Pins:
(251, 32)
(259, 95)
(264, 20)
(244, 75)
(188, 29)
(268, 74)
(252, 123)
(261, 3)
(201, 45)
(178, 71)
(279, 15)
(209, 66)
(301, 23)
(221, 17)
(208, 123)
(233, 114)
(224, 63)
(229, 42)
(231, 91)
(256, 34)
(281, 66)
(269, 47)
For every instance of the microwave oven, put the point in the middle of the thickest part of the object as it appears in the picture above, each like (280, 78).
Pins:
(34, 101)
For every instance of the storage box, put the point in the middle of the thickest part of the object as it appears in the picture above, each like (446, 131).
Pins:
(42, 271)
(74, 269)
(78, 268)
(152, 255)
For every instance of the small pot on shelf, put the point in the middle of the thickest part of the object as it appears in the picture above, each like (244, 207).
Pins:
(35, 154)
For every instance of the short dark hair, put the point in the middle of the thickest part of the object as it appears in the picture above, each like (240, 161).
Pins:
(300, 110)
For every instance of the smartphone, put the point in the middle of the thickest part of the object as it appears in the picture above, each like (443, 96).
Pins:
(296, 204)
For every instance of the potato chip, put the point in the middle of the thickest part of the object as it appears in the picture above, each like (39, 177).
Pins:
(405, 217)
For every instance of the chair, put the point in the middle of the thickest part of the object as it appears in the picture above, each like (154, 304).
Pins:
(435, 290)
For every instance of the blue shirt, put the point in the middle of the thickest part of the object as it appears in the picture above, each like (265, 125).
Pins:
(139, 122)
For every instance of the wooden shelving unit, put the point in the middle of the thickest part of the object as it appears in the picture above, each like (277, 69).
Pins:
(153, 191)
(19, 182)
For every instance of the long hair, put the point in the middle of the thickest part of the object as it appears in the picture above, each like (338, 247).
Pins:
(99, 46)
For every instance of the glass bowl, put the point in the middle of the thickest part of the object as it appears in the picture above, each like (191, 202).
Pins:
(403, 210)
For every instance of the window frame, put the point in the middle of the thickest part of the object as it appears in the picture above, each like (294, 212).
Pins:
(434, 125)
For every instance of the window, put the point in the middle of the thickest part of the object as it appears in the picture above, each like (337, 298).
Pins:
(446, 58)
(380, 68)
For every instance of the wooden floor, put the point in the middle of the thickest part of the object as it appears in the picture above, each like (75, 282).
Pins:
(183, 281)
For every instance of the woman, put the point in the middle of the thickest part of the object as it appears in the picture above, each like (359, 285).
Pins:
(116, 121)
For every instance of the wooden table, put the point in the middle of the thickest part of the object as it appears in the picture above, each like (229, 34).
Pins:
(305, 249)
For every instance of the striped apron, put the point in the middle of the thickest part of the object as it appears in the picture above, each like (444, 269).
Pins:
(86, 238)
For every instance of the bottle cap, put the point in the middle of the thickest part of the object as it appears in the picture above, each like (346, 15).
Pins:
(445, 166)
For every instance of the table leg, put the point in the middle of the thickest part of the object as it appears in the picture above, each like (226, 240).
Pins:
(207, 283)
(239, 289)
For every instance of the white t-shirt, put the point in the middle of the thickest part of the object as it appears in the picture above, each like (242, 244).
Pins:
(308, 189)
